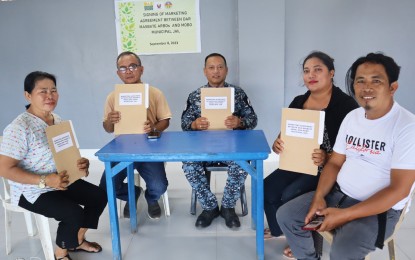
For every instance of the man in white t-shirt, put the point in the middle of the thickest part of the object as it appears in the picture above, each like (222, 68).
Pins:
(368, 179)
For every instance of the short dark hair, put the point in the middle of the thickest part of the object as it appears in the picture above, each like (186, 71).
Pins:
(33, 77)
(125, 53)
(392, 69)
(215, 55)
(326, 59)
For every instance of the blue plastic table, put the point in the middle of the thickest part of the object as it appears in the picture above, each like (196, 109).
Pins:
(238, 146)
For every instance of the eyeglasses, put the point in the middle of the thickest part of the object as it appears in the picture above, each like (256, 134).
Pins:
(132, 67)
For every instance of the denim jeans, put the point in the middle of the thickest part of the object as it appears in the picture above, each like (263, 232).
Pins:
(280, 187)
(153, 174)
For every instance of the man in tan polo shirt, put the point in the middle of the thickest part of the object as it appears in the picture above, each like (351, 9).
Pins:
(130, 69)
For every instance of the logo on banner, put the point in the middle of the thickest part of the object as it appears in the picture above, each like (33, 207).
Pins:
(168, 4)
(148, 6)
(158, 5)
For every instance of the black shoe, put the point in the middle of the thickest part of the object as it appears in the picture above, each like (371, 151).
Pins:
(126, 212)
(206, 217)
(154, 210)
(231, 219)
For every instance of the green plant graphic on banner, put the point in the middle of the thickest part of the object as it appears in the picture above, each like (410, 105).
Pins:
(126, 12)
(155, 27)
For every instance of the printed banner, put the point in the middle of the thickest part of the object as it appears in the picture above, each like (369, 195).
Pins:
(146, 27)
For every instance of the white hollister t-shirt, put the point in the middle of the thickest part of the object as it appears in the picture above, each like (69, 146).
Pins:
(372, 149)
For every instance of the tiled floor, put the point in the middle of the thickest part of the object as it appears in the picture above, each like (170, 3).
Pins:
(176, 237)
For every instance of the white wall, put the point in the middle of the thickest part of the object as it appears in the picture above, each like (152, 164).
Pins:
(76, 41)
(347, 30)
(261, 60)
(264, 42)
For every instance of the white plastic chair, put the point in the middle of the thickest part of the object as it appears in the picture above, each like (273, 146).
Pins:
(42, 222)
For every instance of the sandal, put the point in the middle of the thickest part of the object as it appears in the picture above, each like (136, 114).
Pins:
(92, 245)
(288, 253)
(67, 257)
